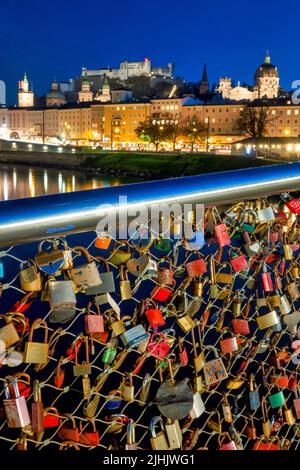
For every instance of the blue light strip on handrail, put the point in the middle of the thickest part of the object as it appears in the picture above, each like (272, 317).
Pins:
(34, 218)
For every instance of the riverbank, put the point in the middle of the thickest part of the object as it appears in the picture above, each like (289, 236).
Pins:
(159, 166)
(132, 164)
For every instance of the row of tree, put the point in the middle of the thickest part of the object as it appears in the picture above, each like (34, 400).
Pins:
(161, 128)
(252, 121)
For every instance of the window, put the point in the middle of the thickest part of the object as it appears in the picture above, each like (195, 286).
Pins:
(288, 112)
(296, 111)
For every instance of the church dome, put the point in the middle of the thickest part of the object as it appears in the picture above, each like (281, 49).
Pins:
(266, 69)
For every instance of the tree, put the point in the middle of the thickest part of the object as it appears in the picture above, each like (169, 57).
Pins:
(194, 129)
(254, 121)
(152, 130)
(173, 129)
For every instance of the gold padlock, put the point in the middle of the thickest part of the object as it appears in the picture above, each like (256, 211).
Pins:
(30, 277)
(267, 320)
(174, 434)
(214, 423)
(158, 440)
(128, 388)
(37, 353)
(186, 323)
(125, 287)
(117, 325)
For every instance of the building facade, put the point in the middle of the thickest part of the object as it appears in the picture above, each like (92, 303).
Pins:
(25, 95)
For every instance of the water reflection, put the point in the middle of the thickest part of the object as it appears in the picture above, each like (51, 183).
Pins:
(19, 181)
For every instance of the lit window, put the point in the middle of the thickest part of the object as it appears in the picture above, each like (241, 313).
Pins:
(288, 112)
(296, 111)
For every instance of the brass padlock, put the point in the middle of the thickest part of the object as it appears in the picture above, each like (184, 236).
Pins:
(128, 388)
(214, 422)
(85, 367)
(8, 333)
(186, 323)
(199, 359)
(116, 325)
(174, 433)
(125, 287)
(37, 353)
(226, 409)
(158, 440)
(30, 277)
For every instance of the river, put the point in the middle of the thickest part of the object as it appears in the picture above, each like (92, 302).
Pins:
(17, 181)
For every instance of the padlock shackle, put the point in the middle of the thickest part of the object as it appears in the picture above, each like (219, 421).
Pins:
(80, 250)
(154, 422)
(38, 323)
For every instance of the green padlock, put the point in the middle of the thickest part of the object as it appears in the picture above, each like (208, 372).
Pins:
(163, 245)
(277, 399)
(109, 353)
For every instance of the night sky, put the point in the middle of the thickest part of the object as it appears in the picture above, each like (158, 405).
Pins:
(56, 38)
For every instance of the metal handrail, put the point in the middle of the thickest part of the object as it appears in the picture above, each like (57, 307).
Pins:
(40, 217)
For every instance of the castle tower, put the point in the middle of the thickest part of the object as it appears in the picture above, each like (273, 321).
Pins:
(204, 83)
(85, 94)
(25, 95)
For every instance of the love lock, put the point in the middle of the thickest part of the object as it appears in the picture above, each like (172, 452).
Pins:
(175, 400)
(49, 261)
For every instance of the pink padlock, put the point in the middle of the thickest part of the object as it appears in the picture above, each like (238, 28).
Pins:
(230, 445)
(229, 345)
(266, 280)
(238, 262)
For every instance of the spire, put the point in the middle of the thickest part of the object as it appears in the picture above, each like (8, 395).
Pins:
(105, 82)
(204, 74)
(25, 78)
(267, 58)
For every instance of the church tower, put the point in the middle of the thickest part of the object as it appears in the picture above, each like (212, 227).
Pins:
(85, 94)
(204, 83)
(267, 79)
(104, 95)
(25, 95)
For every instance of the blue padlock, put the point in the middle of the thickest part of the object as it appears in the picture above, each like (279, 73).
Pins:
(1, 270)
(253, 394)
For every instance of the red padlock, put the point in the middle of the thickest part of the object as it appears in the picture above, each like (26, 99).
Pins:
(161, 293)
(154, 315)
(240, 326)
(158, 345)
(59, 376)
(221, 233)
(183, 355)
(238, 262)
(196, 267)
(24, 385)
(266, 280)
(51, 417)
(88, 437)
(229, 345)
(281, 379)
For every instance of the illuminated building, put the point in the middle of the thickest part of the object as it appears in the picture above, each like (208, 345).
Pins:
(132, 69)
(25, 95)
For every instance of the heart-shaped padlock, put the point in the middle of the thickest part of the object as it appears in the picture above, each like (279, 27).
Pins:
(49, 261)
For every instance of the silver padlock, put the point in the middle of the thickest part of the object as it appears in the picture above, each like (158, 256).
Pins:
(62, 301)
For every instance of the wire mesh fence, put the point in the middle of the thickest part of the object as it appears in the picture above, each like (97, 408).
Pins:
(223, 322)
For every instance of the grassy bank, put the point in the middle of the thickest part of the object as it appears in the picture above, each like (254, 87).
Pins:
(168, 165)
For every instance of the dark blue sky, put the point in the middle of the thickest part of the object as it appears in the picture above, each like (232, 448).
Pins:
(56, 38)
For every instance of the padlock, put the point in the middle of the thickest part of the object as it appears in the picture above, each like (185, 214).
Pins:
(186, 323)
(214, 370)
(291, 203)
(254, 400)
(88, 437)
(49, 261)
(289, 416)
(226, 409)
(229, 345)
(130, 436)
(165, 275)
(145, 390)
(198, 383)
(224, 277)
(220, 229)
(158, 346)
(125, 287)
(119, 256)
(266, 424)
(161, 293)
(114, 400)
(240, 326)
(277, 399)
(265, 213)
(196, 267)
(292, 288)
(8, 333)
(59, 376)
(158, 440)
(62, 300)
(116, 324)
(274, 299)
(37, 409)
(230, 445)
(107, 284)
(281, 379)
(85, 367)
(37, 353)
(296, 403)
(164, 245)
(183, 355)
(294, 270)
(128, 388)
(15, 408)
(266, 279)
(267, 320)
(250, 429)
(154, 314)
(142, 266)
(30, 277)
(85, 276)
(214, 423)
(237, 260)
(109, 352)
(102, 241)
(198, 285)
(94, 322)
(69, 431)
(174, 434)
(134, 336)
(287, 248)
